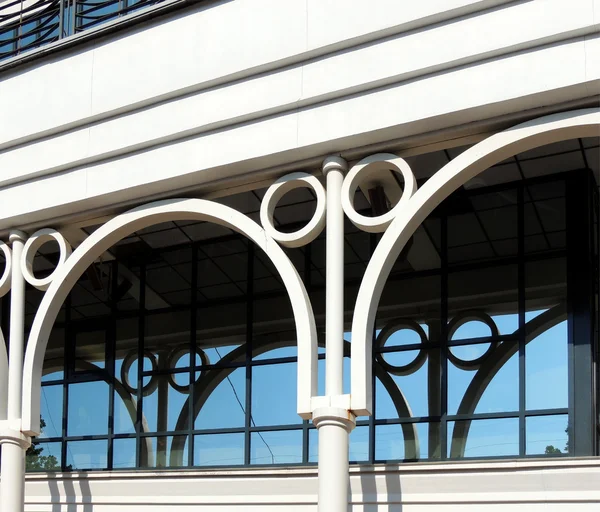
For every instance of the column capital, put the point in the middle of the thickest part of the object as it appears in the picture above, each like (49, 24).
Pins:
(334, 163)
(16, 234)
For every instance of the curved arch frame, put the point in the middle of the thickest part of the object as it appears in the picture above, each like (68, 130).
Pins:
(138, 218)
(498, 147)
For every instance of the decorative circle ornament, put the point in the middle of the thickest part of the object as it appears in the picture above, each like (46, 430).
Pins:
(363, 170)
(389, 330)
(6, 275)
(274, 194)
(31, 248)
(462, 319)
(172, 359)
(151, 384)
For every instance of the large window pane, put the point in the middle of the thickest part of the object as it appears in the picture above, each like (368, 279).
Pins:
(52, 411)
(221, 397)
(274, 394)
(88, 409)
(546, 369)
(167, 338)
(546, 353)
(313, 445)
(43, 457)
(483, 302)
(125, 411)
(90, 347)
(219, 450)
(483, 438)
(483, 378)
(164, 451)
(221, 333)
(406, 302)
(406, 441)
(54, 358)
(124, 453)
(545, 216)
(359, 444)
(497, 214)
(276, 447)
(405, 388)
(547, 435)
(87, 455)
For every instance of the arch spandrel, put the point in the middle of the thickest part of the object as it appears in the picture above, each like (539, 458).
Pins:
(498, 147)
(134, 220)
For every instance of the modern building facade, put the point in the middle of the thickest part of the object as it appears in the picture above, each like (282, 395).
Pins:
(318, 254)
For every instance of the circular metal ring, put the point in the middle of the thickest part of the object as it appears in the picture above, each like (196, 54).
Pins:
(274, 194)
(391, 328)
(172, 359)
(361, 171)
(460, 320)
(32, 246)
(126, 366)
(5, 279)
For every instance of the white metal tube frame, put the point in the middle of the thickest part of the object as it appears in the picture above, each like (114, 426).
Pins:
(14, 443)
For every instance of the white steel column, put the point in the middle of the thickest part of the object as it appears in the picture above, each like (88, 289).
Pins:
(14, 443)
(334, 169)
(332, 417)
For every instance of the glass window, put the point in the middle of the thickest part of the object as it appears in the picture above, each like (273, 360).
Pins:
(219, 450)
(88, 409)
(54, 360)
(51, 411)
(43, 456)
(405, 389)
(222, 400)
(274, 394)
(276, 447)
(546, 352)
(164, 451)
(483, 438)
(87, 455)
(359, 444)
(124, 453)
(483, 378)
(193, 360)
(406, 441)
(547, 435)
(90, 349)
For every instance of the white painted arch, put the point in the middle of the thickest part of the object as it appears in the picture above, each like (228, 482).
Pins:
(498, 147)
(138, 218)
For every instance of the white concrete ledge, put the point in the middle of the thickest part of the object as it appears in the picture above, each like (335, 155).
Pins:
(501, 485)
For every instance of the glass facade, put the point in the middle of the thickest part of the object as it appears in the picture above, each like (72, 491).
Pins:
(181, 350)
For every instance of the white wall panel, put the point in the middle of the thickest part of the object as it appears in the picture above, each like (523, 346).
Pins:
(497, 486)
(53, 93)
(233, 87)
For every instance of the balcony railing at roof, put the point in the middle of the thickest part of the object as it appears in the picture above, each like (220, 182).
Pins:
(29, 24)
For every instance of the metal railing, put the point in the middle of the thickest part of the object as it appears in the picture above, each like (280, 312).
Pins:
(29, 24)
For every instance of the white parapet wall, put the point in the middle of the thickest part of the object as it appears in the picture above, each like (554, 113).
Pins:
(499, 486)
(233, 88)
